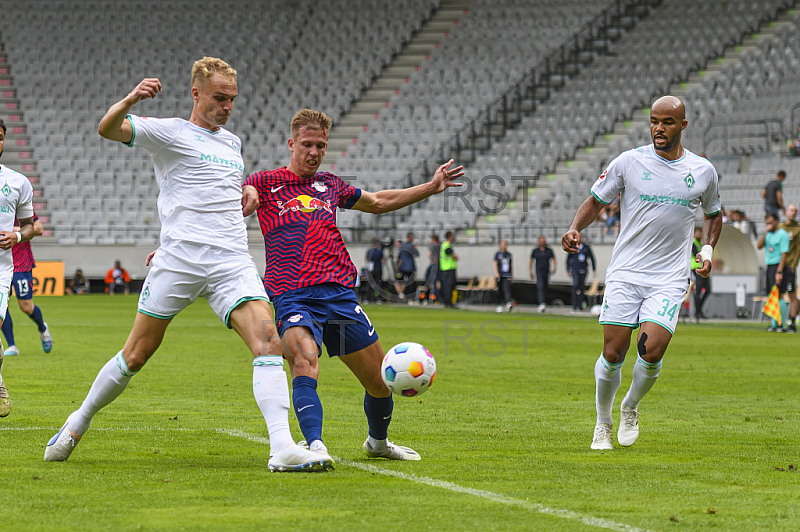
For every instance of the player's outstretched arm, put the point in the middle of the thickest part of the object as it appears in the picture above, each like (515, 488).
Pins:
(712, 227)
(250, 201)
(391, 200)
(113, 125)
(587, 213)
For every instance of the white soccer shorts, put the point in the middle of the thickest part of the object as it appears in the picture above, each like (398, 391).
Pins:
(631, 305)
(181, 272)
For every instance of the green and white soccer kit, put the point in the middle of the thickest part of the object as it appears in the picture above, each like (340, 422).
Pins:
(203, 250)
(16, 202)
(648, 275)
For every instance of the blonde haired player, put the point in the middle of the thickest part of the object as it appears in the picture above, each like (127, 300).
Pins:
(203, 253)
(661, 187)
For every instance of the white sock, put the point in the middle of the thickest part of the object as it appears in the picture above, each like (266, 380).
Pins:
(378, 445)
(109, 383)
(271, 391)
(608, 377)
(317, 446)
(644, 377)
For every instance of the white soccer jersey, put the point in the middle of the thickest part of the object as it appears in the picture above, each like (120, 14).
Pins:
(16, 201)
(658, 206)
(199, 174)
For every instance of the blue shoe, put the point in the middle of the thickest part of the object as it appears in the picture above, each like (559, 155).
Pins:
(47, 340)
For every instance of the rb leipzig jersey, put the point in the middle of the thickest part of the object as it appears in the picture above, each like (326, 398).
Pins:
(22, 253)
(298, 220)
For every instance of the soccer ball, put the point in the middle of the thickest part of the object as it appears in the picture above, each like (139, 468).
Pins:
(595, 310)
(408, 369)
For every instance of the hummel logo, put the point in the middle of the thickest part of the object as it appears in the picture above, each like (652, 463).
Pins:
(301, 409)
(275, 189)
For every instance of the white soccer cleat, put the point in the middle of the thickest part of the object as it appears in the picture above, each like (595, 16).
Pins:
(295, 458)
(5, 402)
(61, 445)
(392, 452)
(12, 351)
(602, 437)
(628, 427)
(542, 307)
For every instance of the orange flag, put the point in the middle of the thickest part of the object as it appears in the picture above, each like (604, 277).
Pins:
(772, 307)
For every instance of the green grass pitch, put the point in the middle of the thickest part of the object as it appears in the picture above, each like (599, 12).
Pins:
(504, 433)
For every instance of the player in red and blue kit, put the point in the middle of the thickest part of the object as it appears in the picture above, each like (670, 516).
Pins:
(23, 287)
(310, 278)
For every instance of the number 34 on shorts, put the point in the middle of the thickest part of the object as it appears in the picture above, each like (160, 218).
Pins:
(630, 305)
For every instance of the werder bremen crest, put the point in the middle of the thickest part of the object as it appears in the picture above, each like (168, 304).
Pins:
(689, 180)
(6, 189)
(146, 293)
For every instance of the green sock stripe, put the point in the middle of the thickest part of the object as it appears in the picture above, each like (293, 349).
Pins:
(609, 366)
(268, 360)
(648, 365)
(123, 366)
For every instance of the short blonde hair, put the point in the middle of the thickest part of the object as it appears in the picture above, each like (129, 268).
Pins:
(311, 119)
(204, 68)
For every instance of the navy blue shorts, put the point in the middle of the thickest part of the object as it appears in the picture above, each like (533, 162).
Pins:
(23, 285)
(332, 313)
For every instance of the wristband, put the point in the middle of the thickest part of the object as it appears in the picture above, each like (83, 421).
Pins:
(705, 254)
(19, 236)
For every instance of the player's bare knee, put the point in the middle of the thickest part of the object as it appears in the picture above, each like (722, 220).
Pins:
(378, 389)
(613, 356)
(135, 359)
(649, 349)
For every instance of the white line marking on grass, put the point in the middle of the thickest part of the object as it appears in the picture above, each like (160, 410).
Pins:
(496, 497)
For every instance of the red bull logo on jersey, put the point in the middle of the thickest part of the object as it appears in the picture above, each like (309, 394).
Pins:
(304, 203)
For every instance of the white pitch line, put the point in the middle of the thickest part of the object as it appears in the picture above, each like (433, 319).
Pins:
(496, 497)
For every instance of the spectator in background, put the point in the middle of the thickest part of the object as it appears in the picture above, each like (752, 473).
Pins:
(794, 144)
(117, 280)
(793, 229)
(375, 263)
(406, 266)
(578, 268)
(447, 268)
(504, 273)
(545, 262)
(740, 221)
(78, 284)
(776, 242)
(702, 285)
(773, 195)
(431, 292)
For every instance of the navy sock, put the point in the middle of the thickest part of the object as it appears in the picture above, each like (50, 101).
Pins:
(379, 415)
(36, 316)
(8, 329)
(307, 407)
